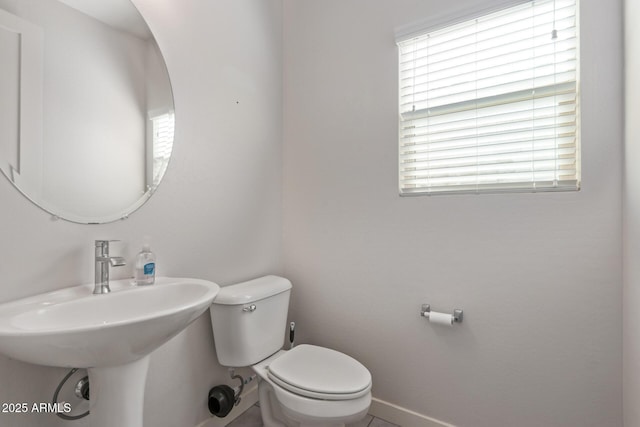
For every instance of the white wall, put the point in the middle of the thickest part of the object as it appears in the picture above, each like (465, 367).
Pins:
(631, 209)
(538, 275)
(217, 214)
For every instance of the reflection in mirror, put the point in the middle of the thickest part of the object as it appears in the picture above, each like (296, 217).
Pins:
(86, 110)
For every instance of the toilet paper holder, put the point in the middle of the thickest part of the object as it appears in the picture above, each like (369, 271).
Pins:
(425, 311)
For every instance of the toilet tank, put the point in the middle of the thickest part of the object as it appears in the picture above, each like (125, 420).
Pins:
(249, 320)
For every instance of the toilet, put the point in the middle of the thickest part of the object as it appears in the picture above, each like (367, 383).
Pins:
(307, 385)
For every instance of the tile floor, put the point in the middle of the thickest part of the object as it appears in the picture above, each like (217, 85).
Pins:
(251, 418)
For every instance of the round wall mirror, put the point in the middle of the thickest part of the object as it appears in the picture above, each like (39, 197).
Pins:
(86, 109)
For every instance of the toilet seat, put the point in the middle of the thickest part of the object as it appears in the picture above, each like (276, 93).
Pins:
(320, 373)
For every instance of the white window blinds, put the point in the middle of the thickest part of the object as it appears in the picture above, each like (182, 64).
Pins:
(491, 104)
(163, 131)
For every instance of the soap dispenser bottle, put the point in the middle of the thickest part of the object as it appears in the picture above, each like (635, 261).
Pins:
(145, 273)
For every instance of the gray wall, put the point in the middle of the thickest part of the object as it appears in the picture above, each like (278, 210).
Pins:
(217, 215)
(539, 276)
(631, 198)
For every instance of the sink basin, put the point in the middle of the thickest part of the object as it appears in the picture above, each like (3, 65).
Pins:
(74, 328)
(110, 334)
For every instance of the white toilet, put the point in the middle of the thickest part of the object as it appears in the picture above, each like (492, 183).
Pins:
(305, 386)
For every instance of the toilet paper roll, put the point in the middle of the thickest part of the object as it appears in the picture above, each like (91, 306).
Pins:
(441, 318)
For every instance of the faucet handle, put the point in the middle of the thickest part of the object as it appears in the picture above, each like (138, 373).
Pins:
(102, 247)
(103, 242)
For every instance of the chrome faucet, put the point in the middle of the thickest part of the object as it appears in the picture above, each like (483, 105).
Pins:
(103, 261)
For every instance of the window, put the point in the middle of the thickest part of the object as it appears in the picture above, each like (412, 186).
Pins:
(163, 131)
(491, 104)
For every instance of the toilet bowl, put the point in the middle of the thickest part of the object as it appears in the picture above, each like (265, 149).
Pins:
(315, 386)
(305, 386)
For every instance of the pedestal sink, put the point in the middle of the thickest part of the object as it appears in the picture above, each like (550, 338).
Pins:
(111, 335)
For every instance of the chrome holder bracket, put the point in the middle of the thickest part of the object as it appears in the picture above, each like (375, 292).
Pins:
(425, 311)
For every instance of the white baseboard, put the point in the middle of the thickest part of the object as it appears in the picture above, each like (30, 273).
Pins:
(249, 398)
(402, 416)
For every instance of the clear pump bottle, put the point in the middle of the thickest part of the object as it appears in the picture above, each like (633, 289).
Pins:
(145, 268)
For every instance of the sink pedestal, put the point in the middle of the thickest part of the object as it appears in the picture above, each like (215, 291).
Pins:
(117, 394)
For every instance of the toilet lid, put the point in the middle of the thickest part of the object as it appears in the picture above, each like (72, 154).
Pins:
(320, 373)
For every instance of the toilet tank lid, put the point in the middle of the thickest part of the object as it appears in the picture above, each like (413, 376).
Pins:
(252, 290)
